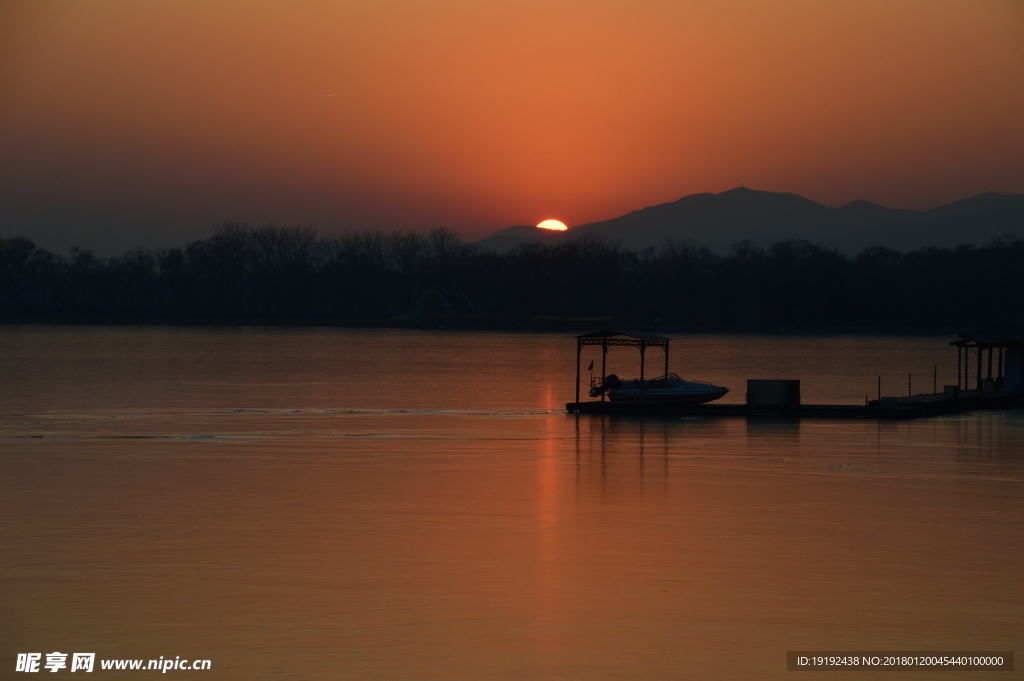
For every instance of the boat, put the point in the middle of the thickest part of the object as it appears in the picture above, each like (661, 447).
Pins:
(667, 389)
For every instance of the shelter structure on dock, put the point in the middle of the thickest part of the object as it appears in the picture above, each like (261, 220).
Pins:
(609, 338)
(1004, 370)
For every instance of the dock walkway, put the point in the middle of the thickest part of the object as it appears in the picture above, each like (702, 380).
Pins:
(1002, 388)
(913, 407)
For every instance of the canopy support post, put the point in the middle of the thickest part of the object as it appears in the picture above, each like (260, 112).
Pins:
(643, 346)
(579, 350)
(604, 360)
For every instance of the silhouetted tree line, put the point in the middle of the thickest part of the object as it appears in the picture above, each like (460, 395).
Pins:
(288, 274)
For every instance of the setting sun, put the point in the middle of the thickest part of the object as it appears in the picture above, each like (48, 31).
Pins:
(553, 224)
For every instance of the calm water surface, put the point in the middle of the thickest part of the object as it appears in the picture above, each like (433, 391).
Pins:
(339, 504)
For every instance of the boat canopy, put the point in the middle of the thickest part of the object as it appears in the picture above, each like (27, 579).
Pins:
(632, 338)
(611, 338)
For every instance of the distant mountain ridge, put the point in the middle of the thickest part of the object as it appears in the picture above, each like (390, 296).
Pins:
(764, 218)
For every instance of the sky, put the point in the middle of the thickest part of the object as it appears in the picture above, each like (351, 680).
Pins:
(126, 124)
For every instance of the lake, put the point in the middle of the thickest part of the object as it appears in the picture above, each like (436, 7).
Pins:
(385, 504)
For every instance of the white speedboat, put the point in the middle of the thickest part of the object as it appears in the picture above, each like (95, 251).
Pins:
(668, 389)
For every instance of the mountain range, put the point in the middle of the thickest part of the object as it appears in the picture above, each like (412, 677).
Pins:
(719, 221)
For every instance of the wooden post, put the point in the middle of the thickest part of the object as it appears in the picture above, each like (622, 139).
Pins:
(604, 358)
(579, 348)
(978, 349)
(990, 362)
(967, 369)
(959, 367)
(643, 346)
(666, 357)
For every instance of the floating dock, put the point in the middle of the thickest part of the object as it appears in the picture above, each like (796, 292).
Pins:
(918, 406)
(1001, 388)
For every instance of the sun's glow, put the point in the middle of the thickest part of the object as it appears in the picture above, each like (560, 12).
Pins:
(553, 224)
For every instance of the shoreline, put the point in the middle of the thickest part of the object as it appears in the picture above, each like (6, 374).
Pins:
(480, 324)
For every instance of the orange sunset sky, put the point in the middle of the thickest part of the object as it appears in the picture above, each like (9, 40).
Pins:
(147, 123)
